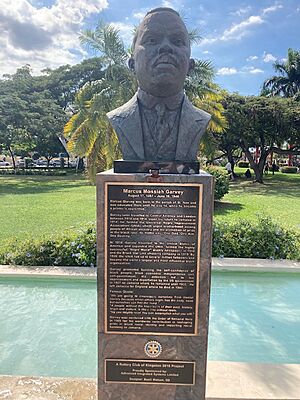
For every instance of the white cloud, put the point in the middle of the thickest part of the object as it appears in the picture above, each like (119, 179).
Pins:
(241, 11)
(167, 3)
(201, 22)
(139, 15)
(251, 70)
(206, 52)
(44, 36)
(272, 8)
(208, 41)
(268, 57)
(252, 58)
(126, 31)
(237, 31)
(175, 4)
(227, 71)
(243, 71)
(256, 71)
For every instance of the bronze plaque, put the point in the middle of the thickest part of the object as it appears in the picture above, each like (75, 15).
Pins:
(150, 372)
(152, 248)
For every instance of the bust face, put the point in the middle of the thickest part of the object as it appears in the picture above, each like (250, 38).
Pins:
(162, 54)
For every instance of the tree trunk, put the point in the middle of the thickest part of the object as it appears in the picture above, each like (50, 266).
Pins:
(257, 154)
(258, 168)
(48, 161)
(12, 157)
(258, 173)
(231, 159)
(290, 157)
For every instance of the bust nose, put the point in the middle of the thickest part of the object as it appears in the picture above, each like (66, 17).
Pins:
(165, 47)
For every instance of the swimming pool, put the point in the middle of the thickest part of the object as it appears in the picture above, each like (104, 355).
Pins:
(48, 327)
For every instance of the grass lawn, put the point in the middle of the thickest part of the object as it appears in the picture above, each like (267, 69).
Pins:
(279, 197)
(35, 205)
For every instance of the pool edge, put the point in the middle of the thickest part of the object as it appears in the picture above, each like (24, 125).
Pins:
(218, 264)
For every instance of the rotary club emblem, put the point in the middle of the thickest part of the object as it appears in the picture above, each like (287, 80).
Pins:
(153, 349)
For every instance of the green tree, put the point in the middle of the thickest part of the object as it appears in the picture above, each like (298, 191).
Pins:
(287, 84)
(88, 132)
(13, 134)
(267, 123)
(29, 116)
(46, 119)
(64, 82)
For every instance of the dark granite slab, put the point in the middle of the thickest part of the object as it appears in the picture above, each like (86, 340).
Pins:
(164, 167)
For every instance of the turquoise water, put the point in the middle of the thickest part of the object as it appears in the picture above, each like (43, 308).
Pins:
(255, 318)
(48, 327)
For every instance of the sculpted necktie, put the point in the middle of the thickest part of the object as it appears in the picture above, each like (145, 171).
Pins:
(162, 126)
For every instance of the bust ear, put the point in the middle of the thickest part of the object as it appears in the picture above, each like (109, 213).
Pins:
(191, 65)
(131, 64)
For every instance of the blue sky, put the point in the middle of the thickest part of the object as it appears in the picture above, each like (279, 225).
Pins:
(241, 38)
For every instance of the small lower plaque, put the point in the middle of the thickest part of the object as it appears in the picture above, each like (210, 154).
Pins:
(150, 372)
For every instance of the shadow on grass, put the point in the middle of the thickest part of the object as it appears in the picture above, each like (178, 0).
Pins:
(40, 184)
(223, 208)
(282, 185)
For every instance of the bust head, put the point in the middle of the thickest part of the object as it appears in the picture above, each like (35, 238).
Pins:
(161, 53)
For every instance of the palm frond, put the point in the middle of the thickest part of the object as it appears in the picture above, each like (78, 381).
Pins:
(194, 36)
(82, 139)
(106, 40)
(287, 84)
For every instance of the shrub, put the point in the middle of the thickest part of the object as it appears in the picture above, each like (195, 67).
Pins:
(221, 181)
(243, 164)
(44, 172)
(263, 238)
(289, 170)
(28, 162)
(71, 248)
(260, 239)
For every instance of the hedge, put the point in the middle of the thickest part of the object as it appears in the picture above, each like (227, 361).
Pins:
(43, 172)
(70, 248)
(289, 170)
(262, 238)
(221, 181)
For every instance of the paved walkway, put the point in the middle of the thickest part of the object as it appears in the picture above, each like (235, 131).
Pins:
(225, 381)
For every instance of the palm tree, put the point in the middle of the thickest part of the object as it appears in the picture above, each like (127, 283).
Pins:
(206, 95)
(287, 84)
(89, 132)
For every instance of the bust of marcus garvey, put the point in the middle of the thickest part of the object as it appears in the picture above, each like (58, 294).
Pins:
(159, 123)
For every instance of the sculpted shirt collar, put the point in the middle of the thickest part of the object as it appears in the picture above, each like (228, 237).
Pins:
(149, 101)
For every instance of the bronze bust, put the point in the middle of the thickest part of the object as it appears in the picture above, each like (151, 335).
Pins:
(159, 123)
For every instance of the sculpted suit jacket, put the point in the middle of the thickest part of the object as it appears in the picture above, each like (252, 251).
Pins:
(126, 121)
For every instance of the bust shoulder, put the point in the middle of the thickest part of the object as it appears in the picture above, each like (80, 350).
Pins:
(125, 110)
(194, 112)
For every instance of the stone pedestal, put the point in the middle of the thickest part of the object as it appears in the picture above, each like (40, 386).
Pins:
(153, 285)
